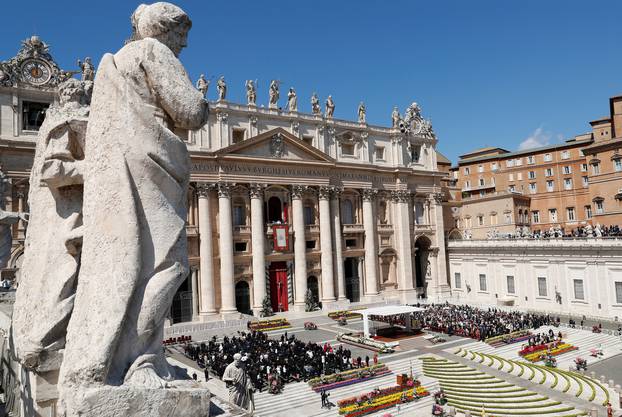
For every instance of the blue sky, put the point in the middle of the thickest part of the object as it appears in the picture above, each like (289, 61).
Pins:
(488, 73)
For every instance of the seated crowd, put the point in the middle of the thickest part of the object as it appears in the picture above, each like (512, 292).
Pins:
(478, 323)
(273, 361)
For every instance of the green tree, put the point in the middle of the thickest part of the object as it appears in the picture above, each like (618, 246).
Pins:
(266, 307)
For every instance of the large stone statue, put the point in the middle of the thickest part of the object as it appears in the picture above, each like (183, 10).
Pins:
(251, 92)
(221, 86)
(330, 107)
(87, 68)
(362, 113)
(292, 100)
(240, 388)
(274, 94)
(49, 272)
(203, 85)
(315, 104)
(120, 215)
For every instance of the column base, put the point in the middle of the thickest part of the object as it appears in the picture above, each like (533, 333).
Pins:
(408, 296)
(299, 307)
(209, 316)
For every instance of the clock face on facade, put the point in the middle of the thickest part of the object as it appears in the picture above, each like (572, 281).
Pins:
(36, 71)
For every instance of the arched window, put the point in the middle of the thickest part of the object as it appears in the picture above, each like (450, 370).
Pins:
(239, 213)
(347, 217)
(309, 213)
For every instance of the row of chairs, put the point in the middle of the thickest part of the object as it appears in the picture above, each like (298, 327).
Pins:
(177, 340)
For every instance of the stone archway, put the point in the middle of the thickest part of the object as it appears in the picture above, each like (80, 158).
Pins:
(422, 267)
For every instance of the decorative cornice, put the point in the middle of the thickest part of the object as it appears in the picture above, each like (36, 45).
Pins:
(335, 192)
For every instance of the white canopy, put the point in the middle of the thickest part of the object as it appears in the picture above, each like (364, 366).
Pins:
(386, 311)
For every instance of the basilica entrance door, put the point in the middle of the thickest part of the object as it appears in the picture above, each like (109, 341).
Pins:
(353, 288)
(278, 286)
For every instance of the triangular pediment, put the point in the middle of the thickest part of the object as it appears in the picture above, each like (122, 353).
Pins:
(276, 144)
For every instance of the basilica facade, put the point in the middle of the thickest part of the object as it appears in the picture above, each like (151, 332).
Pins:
(283, 205)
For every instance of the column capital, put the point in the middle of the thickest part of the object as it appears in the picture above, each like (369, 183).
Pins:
(224, 189)
(436, 197)
(369, 194)
(401, 196)
(256, 190)
(222, 117)
(298, 190)
(203, 189)
(324, 192)
(335, 192)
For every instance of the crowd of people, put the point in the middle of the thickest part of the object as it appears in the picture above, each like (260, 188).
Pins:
(272, 362)
(467, 321)
(587, 231)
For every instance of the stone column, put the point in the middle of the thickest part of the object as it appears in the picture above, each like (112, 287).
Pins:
(337, 239)
(223, 125)
(300, 248)
(401, 200)
(436, 217)
(206, 251)
(225, 246)
(194, 284)
(371, 248)
(258, 243)
(326, 243)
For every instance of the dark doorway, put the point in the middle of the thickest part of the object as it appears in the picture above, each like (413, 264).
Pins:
(422, 246)
(278, 286)
(275, 210)
(181, 309)
(353, 282)
(312, 284)
(243, 297)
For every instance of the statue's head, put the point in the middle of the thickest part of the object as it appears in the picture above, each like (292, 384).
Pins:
(162, 21)
(237, 359)
(74, 91)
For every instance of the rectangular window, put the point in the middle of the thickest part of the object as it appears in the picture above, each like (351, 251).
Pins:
(531, 159)
(553, 215)
(532, 187)
(600, 207)
(570, 214)
(508, 218)
(595, 168)
(578, 289)
(457, 280)
(550, 186)
(518, 162)
(548, 157)
(239, 246)
(511, 177)
(379, 153)
(482, 282)
(467, 170)
(510, 281)
(310, 244)
(480, 220)
(536, 216)
(617, 165)
(532, 175)
(588, 212)
(585, 180)
(480, 168)
(618, 292)
(481, 182)
(583, 167)
(493, 166)
(509, 163)
(512, 188)
(567, 184)
(519, 176)
(467, 184)
(548, 172)
(347, 149)
(33, 114)
(565, 154)
(567, 169)
(542, 290)
(419, 212)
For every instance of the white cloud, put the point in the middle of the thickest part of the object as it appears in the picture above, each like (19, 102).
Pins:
(537, 139)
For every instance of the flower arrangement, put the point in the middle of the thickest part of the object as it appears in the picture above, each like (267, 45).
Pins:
(352, 376)
(557, 350)
(504, 339)
(267, 325)
(379, 399)
(348, 314)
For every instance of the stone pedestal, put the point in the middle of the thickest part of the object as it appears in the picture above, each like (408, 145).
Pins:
(109, 401)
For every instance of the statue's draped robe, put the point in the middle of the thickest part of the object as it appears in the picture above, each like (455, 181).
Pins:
(239, 393)
(134, 253)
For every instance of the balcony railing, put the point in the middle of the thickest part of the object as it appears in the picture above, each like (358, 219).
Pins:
(353, 228)
(242, 230)
(312, 228)
(385, 228)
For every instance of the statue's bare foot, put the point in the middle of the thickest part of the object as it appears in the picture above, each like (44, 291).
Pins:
(145, 375)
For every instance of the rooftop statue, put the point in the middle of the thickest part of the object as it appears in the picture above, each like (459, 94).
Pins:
(315, 104)
(330, 107)
(251, 92)
(274, 94)
(395, 117)
(87, 68)
(203, 84)
(361, 113)
(221, 86)
(292, 100)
